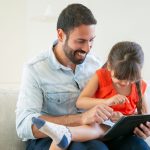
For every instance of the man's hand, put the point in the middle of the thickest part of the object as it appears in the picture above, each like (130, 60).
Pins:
(143, 131)
(97, 114)
(116, 116)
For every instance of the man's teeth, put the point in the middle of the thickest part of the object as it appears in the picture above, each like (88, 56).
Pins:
(81, 54)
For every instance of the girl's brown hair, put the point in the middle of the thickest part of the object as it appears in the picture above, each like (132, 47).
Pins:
(126, 60)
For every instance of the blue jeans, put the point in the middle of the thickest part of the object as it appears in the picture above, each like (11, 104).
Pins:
(89, 145)
(126, 143)
(44, 144)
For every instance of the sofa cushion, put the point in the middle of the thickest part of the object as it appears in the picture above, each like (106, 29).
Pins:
(8, 135)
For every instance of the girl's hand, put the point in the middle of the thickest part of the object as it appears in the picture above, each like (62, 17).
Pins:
(143, 130)
(117, 99)
(116, 116)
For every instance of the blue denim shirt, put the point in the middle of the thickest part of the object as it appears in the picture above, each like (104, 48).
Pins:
(50, 88)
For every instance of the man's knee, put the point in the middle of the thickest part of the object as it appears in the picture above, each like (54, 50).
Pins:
(96, 145)
(92, 144)
(77, 146)
(138, 143)
(38, 144)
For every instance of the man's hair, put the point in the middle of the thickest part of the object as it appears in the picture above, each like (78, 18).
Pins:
(73, 16)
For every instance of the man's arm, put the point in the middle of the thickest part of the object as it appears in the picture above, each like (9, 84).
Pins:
(97, 114)
(67, 120)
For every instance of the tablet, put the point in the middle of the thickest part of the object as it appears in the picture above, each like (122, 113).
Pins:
(125, 126)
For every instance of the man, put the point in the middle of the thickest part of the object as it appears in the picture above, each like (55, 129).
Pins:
(53, 80)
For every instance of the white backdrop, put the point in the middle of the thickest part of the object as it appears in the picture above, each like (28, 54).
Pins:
(28, 27)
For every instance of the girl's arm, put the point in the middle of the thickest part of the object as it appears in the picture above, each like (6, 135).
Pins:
(143, 130)
(145, 105)
(86, 100)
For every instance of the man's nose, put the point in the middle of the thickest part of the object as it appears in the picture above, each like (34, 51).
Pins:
(87, 46)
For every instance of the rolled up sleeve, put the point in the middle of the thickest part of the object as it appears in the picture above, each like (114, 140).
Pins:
(29, 103)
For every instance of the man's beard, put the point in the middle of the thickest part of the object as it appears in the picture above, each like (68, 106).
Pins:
(75, 56)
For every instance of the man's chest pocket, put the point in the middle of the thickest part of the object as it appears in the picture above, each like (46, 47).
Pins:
(60, 103)
(57, 98)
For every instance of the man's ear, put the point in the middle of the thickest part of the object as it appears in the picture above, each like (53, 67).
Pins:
(61, 35)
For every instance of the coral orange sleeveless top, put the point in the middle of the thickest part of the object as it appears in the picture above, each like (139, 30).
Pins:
(107, 90)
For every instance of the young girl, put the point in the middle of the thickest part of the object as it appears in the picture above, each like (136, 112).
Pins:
(118, 85)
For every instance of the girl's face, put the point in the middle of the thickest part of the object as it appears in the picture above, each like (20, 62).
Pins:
(120, 83)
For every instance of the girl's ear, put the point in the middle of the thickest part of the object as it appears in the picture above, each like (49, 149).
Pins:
(108, 66)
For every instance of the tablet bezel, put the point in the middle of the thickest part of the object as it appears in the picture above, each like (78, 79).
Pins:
(125, 126)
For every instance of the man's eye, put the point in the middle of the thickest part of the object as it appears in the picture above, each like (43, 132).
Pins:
(81, 42)
(91, 40)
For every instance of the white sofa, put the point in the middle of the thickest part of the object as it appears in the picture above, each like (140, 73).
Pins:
(8, 136)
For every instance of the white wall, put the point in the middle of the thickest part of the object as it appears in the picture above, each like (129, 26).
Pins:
(25, 30)
(12, 40)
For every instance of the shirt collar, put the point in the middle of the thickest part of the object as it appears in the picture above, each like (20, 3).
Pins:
(54, 63)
